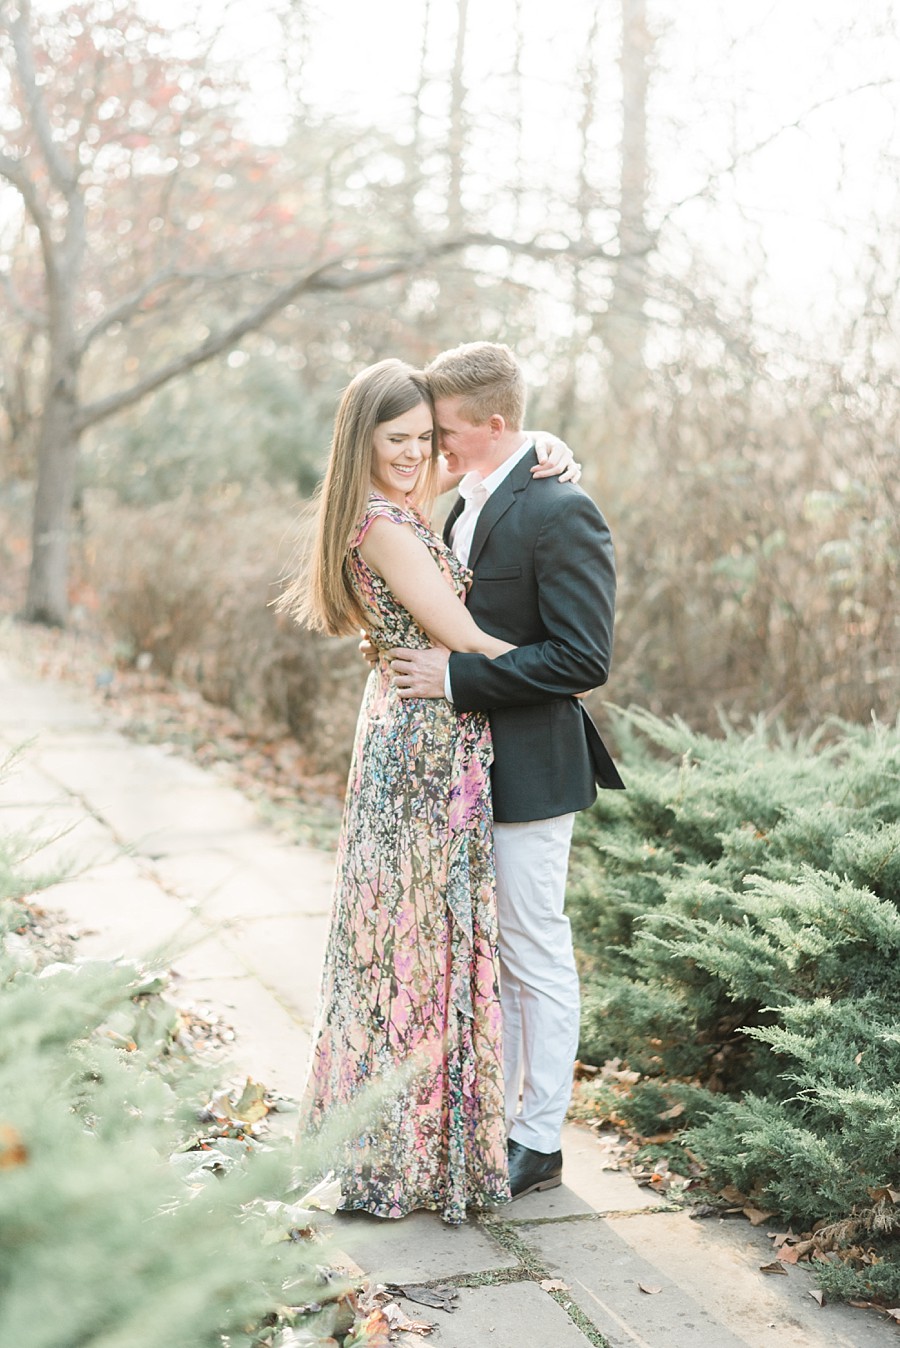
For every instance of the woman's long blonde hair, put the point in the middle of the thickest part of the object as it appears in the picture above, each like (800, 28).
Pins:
(321, 595)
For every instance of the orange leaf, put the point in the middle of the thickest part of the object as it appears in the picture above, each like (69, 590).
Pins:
(756, 1217)
(13, 1151)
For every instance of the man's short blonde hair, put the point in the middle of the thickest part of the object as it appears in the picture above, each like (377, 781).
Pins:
(486, 375)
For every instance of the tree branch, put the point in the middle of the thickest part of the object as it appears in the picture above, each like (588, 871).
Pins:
(344, 273)
(64, 177)
(122, 311)
(32, 317)
(14, 172)
(216, 343)
(763, 144)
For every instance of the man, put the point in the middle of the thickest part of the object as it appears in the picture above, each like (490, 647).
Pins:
(544, 578)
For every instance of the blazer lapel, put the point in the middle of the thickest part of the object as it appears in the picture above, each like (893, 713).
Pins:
(499, 501)
(451, 519)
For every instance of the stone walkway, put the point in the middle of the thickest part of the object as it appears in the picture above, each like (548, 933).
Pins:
(169, 857)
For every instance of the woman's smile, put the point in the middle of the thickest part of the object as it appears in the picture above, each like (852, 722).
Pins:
(400, 449)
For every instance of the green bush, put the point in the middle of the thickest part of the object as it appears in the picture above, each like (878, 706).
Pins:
(258, 422)
(129, 1217)
(737, 913)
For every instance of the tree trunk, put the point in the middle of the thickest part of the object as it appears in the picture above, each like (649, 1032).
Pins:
(47, 599)
(57, 467)
(626, 321)
(568, 414)
(456, 140)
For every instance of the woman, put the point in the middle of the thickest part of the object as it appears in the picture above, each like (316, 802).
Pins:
(411, 975)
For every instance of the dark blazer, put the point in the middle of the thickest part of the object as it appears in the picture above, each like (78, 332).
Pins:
(544, 578)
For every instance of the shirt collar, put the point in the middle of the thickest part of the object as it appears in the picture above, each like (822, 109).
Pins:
(490, 483)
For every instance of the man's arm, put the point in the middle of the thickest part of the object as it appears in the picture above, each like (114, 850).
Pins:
(576, 595)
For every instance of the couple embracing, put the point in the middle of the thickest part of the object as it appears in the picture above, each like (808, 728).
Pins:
(449, 951)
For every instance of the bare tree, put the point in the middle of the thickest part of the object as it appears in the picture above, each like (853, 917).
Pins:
(57, 177)
(625, 327)
(456, 133)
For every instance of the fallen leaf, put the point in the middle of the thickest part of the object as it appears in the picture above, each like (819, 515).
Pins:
(775, 1267)
(370, 1295)
(251, 1107)
(755, 1216)
(399, 1320)
(440, 1298)
(818, 1296)
(895, 1314)
(13, 1151)
(649, 1288)
(325, 1196)
(612, 1070)
(789, 1254)
(732, 1194)
(373, 1332)
(554, 1285)
(675, 1112)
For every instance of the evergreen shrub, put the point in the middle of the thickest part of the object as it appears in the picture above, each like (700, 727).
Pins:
(737, 916)
(129, 1217)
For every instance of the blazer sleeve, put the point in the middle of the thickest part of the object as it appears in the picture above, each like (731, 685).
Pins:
(576, 579)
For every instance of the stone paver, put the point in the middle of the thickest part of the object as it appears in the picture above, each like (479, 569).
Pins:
(726, 1254)
(163, 856)
(285, 954)
(418, 1249)
(518, 1315)
(606, 1276)
(123, 915)
(271, 1045)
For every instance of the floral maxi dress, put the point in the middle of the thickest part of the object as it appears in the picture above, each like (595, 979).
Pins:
(411, 972)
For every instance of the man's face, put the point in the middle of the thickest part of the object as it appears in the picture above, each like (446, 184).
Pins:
(466, 448)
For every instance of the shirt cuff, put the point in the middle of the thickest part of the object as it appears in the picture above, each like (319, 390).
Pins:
(448, 691)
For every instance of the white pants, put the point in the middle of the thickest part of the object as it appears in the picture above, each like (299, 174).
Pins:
(538, 981)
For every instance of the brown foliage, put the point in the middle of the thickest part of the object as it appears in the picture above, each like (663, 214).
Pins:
(186, 588)
(758, 538)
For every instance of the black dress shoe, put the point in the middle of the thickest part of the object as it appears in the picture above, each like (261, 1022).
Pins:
(530, 1170)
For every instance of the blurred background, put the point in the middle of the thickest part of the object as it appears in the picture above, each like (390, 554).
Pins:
(682, 216)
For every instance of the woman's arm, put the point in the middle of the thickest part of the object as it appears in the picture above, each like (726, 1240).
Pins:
(555, 459)
(406, 565)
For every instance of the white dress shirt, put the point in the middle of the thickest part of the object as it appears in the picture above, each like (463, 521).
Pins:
(475, 490)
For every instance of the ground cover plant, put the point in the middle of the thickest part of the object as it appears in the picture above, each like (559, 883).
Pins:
(140, 1203)
(737, 914)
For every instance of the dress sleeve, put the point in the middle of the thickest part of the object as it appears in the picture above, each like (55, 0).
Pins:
(378, 508)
